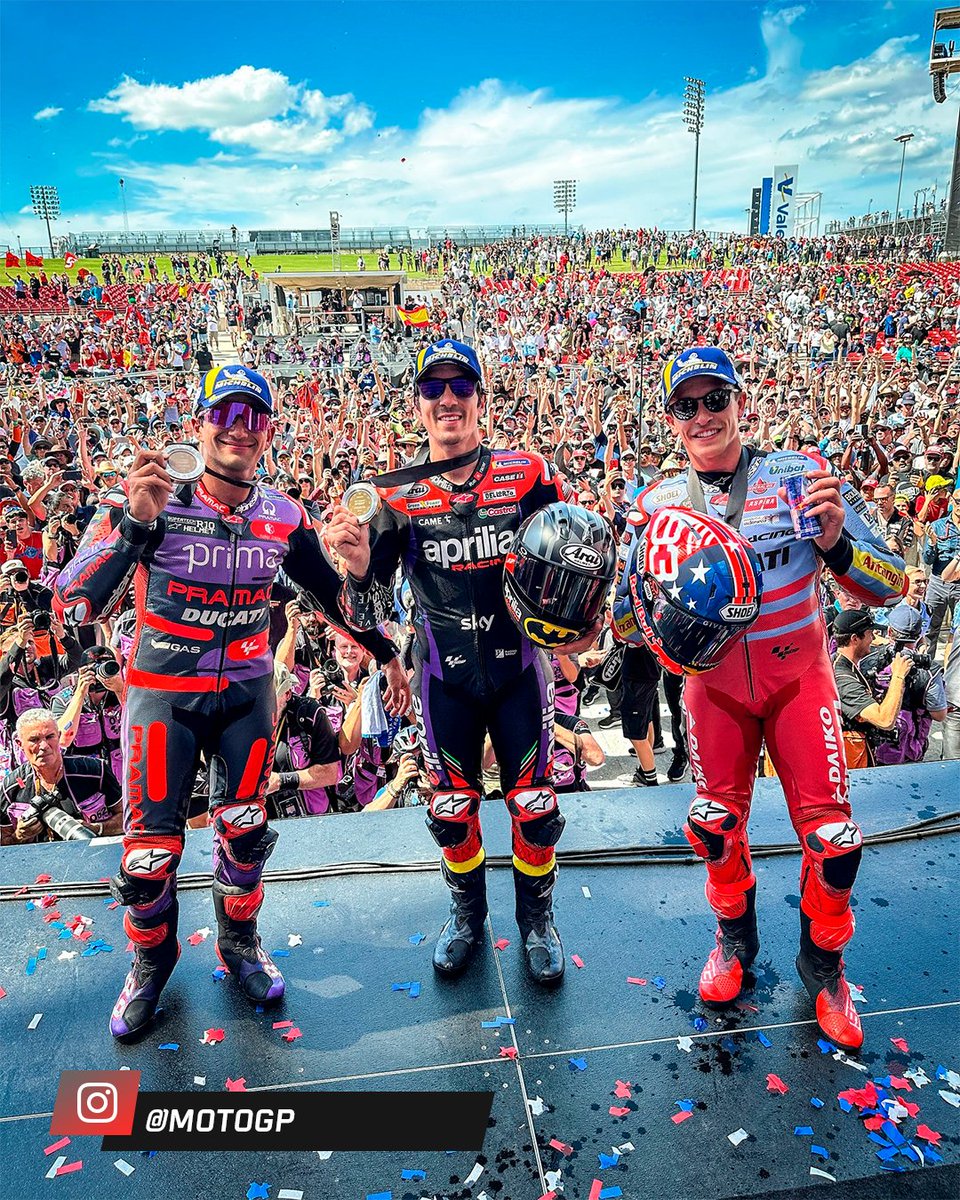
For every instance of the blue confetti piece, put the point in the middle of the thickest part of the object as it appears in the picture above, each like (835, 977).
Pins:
(577, 1064)
(489, 1024)
(684, 1105)
(414, 990)
(803, 1131)
(400, 987)
(908, 1152)
(888, 1153)
(884, 1081)
(879, 1139)
(892, 1167)
(931, 1155)
(413, 1174)
(416, 938)
(844, 1104)
(699, 1024)
(763, 1039)
(609, 1193)
(65, 933)
(729, 1045)
(608, 1160)
(820, 1152)
(57, 925)
(41, 954)
(105, 949)
(169, 1046)
(258, 1191)
(280, 953)
(31, 965)
(321, 904)
(659, 982)
(816, 1102)
(941, 1071)
(893, 1133)
(258, 1009)
(219, 972)
(30, 906)
(826, 1047)
(379, 1195)
(90, 952)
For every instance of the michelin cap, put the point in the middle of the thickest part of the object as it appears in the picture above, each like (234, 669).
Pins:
(697, 361)
(220, 383)
(459, 354)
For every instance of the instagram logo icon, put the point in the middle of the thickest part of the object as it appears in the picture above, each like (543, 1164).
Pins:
(95, 1102)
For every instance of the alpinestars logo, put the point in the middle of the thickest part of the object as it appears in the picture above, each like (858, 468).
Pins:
(464, 554)
(146, 862)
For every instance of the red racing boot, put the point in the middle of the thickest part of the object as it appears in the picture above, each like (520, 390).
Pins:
(822, 975)
(738, 943)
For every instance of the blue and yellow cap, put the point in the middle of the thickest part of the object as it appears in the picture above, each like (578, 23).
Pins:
(447, 351)
(699, 360)
(238, 381)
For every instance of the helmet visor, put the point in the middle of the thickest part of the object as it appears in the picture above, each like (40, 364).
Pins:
(569, 598)
(688, 639)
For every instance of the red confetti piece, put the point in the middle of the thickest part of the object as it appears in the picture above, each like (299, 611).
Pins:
(43, 879)
(283, 1024)
(53, 915)
(47, 901)
(2, 993)
(69, 1168)
(549, 1196)
(129, 949)
(865, 1097)
(291, 1035)
(912, 1109)
(595, 1189)
(680, 1117)
(65, 1141)
(502, 943)
(618, 1112)
(577, 961)
(561, 1146)
(776, 1084)
(212, 1036)
(901, 1044)
(633, 979)
(237, 1085)
(744, 1007)
(195, 939)
(115, 904)
(508, 1052)
(83, 935)
(901, 1084)
(623, 1090)
(873, 1123)
(928, 1134)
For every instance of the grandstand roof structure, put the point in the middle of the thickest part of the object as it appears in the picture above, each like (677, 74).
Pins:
(345, 281)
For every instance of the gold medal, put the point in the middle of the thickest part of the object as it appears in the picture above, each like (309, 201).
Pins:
(363, 500)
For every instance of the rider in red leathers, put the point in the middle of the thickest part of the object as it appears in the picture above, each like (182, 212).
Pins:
(775, 686)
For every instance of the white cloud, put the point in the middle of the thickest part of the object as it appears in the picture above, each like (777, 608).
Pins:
(253, 107)
(46, 114)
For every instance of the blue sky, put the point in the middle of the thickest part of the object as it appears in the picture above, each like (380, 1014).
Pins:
(422, 114)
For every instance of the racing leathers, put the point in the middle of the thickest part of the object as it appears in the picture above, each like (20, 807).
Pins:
(199, 681)
(474, 671)
(775, 685)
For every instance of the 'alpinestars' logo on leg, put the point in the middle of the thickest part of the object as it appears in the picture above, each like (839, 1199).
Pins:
(708, 811)
(146, 862)
(249, 816)
(846, 836)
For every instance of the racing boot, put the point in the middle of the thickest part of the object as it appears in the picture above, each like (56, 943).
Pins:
(738, 942)
(238, 943)
(463, 932)
(822, 974)
(156, 950)
(541, 942)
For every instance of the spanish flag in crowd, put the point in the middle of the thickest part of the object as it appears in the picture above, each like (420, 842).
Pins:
(414, 316)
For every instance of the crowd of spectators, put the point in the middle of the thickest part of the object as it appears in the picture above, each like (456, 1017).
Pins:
(848, 349)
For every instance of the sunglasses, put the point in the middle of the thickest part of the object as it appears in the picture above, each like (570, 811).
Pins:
(224, 415)
(616, 487)
(685, 408)
(433, 389)
(108, 474)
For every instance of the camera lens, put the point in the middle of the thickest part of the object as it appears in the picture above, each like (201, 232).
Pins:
(107, 668)
(19, 576)
(41, 621)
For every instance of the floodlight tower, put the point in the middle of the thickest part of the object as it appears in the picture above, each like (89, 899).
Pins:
(565, 199)
(902, 138)
(693, 109)
(46, 204)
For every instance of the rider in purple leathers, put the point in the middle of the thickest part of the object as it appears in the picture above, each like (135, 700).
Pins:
(202, 562)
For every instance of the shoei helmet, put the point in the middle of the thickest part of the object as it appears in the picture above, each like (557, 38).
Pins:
(695, 589)
(556, 577)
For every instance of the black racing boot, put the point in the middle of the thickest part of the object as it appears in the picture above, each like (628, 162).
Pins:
(541, 942)
(822, 974)
(238, 944)
(463, 932)
(152, 967)
(738, 944)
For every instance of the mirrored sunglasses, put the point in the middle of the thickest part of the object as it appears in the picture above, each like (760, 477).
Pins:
(433, 389)
(224, 415)
(685, 407)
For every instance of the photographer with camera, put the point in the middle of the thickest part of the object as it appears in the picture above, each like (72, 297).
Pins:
(924, 697)
(20, 594)
(89, 715)
(50, 798)
(306, 765)
(861, 714)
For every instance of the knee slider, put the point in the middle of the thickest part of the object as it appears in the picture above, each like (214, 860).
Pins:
(147, 869)
(710, 828)
(836, 849)
(450, 815)
(243, 832)
(536, 815)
